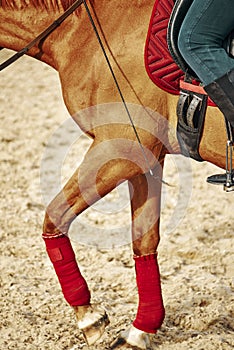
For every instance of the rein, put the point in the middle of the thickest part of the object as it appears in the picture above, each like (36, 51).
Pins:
(119, 90)
(42, 35)
(48, 31)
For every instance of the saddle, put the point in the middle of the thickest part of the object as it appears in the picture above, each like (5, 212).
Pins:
(193, 100)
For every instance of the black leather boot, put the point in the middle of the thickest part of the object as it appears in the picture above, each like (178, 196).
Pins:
(221, 91)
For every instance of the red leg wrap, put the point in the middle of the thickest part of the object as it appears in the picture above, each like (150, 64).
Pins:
(74, 286)
(150, 313)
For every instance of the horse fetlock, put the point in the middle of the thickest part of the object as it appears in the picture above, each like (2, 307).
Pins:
(133, 337)
(92, 321)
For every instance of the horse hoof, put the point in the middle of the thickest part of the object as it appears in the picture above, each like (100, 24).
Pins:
(92, 321)
(133, 338)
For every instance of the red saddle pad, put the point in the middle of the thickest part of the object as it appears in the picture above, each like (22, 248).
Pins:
(160, 66)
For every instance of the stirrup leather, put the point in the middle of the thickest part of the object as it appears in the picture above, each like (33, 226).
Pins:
(226, 179)
(229, 185)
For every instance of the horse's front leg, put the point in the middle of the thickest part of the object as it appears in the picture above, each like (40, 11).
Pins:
(145, 203)
(101, 170)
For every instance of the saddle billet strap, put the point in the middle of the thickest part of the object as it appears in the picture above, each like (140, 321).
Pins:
(194, 104)
(182, 102)
(42, 35)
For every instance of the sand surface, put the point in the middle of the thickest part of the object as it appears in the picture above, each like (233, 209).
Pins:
(196, 252)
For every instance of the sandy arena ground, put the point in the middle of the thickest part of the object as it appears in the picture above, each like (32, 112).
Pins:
(196, 252)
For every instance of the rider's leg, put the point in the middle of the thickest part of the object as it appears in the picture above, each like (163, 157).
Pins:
(206, 25)
(222, 93)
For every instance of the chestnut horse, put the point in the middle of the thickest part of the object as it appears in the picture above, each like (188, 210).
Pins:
(115, 154)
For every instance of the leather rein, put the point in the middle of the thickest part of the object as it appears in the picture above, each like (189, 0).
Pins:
(42, 35)
(48, 31)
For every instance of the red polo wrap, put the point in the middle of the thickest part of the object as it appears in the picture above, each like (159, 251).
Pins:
(150, 313)
(74, 286)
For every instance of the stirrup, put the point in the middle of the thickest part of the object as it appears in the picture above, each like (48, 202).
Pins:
(226, 179)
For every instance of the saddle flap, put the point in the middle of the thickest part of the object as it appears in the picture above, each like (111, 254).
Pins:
(178, 13)
(191, 110)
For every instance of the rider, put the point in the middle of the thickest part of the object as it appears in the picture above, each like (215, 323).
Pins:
(206, 25)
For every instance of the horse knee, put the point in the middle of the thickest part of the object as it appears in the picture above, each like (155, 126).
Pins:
(50, 225)
(55, 220)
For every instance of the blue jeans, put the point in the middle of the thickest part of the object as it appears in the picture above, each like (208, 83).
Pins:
(206, 25)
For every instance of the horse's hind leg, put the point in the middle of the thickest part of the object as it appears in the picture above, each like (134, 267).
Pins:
(145, 193)
(99, 173)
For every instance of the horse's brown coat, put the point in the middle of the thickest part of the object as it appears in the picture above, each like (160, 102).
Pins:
(74, 52)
